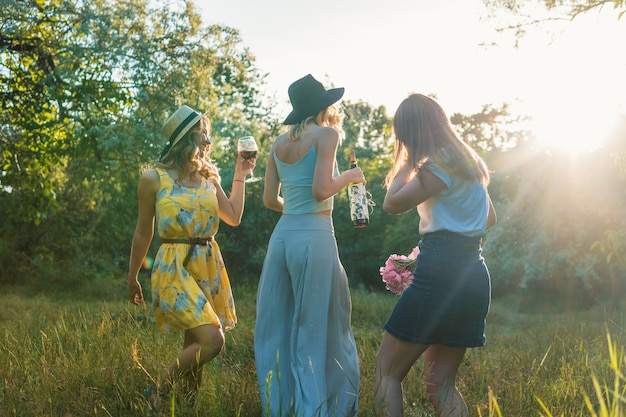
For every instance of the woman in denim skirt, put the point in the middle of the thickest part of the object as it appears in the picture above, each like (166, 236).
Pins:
(443, 311)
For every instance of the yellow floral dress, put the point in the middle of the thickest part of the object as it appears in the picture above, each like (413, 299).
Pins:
(198, 293)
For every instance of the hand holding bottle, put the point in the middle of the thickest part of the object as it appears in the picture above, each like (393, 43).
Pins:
(359, 207)
(355, 175)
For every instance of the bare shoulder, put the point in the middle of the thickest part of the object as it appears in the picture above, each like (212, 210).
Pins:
(150, 179)
(280, 139)
(326, 131)
(326, 136)
(150, 174)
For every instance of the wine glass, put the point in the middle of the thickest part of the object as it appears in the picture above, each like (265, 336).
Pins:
(248, 149)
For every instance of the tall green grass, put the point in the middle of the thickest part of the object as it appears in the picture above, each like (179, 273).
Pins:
(64, 357)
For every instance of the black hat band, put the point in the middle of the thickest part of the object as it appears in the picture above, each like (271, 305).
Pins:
(183, 124)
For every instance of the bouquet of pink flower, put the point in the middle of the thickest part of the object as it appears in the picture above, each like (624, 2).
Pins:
(398, 271)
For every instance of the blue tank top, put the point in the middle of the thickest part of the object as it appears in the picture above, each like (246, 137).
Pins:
(297, 185)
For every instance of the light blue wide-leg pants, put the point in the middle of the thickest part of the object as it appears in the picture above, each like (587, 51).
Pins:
(306, 358)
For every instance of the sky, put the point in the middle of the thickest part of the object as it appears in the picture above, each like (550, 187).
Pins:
(568, 76)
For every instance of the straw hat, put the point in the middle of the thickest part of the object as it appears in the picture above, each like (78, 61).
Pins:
(179, 123)
(308, 97)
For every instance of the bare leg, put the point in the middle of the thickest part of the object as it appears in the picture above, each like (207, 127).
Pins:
(440, 368)
(393, 361)
(201, 345)
(193, 378)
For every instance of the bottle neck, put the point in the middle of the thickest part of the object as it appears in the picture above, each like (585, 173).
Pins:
(354, 165)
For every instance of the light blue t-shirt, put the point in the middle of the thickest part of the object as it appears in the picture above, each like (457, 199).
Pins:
(297, 185)
(462, 207)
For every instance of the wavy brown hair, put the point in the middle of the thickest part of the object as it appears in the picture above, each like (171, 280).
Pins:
(423, 130)
(185, 152)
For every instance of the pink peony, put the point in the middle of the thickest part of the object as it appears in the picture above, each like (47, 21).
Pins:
(397, 273)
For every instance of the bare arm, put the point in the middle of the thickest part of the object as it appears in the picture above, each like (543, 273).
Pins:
(492, 219)
(230, 209)
(144, 231)
(271, 190)
(407, 190)
(324, 184)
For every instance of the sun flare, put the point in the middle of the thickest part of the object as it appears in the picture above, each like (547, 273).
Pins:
(568, 127)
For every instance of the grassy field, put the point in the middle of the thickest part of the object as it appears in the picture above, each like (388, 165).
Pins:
(64, 357)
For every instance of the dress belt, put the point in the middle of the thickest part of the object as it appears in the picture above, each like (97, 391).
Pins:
(203, 241)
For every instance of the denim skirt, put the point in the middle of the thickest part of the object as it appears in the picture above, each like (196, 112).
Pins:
(448, 301)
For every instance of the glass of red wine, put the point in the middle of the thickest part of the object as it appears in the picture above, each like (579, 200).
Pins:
(248, 149)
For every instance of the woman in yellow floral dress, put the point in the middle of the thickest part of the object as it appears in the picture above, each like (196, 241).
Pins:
(190, 287)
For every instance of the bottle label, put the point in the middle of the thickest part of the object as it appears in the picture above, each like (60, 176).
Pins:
(359, 209)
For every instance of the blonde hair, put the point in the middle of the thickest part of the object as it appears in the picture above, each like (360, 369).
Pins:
(331, 116)
(186, 151)
(423, 130)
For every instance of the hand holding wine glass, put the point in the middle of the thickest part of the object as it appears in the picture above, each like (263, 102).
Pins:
(248, 149)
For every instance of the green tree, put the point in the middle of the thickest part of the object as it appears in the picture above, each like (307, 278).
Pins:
(599, 223)
(492, 130)
(612, 244)
(85, 88)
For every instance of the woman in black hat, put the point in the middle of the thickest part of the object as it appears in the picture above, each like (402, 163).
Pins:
(304, 347)
(190, 287)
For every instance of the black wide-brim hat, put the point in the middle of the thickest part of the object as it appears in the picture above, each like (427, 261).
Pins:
(308, 97)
